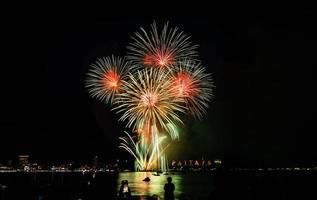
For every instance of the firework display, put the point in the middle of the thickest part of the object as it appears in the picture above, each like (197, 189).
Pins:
(159, 81)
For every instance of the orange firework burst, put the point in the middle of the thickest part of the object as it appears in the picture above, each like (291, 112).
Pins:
(162, 49)
(161, 59)
(105, 78)
(183, 85)
(191, 83)
(148, 100)
(111, 81)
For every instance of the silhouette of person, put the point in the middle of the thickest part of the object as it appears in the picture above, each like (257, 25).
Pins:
(169, 189)
(147, 179)
(124, 192)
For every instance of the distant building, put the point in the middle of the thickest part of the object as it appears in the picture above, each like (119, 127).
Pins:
(95, 163)
(23, 161)
(9, 164)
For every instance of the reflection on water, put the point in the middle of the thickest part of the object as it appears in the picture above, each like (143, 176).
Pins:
(192, 185)
(214, 185)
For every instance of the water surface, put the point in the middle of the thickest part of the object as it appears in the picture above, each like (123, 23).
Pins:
(191, 184)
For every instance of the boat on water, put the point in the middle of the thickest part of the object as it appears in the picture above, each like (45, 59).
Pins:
(157, 173)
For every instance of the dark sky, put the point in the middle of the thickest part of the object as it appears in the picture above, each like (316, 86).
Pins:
(261, 60)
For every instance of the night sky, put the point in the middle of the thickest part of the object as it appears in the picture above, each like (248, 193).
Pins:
(261, 61)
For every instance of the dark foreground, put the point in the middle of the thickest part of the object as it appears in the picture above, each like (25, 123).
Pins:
(194, 185)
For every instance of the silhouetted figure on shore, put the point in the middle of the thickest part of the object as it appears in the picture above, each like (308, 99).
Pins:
(147, 179)
(124, 192)
(169, 189)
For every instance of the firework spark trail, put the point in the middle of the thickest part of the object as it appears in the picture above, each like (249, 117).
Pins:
(145, 156)
(191, 82)
(162, 49)
(148, 98)
(104, 79)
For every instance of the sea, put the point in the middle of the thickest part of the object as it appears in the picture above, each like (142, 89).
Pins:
(190, 185)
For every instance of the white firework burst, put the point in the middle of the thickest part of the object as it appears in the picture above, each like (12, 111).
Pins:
(162, 50)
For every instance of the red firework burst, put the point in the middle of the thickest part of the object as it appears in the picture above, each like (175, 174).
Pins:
(183, 85)
(160, 49)
(105, 78)
(160, 58)
(111, 81)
